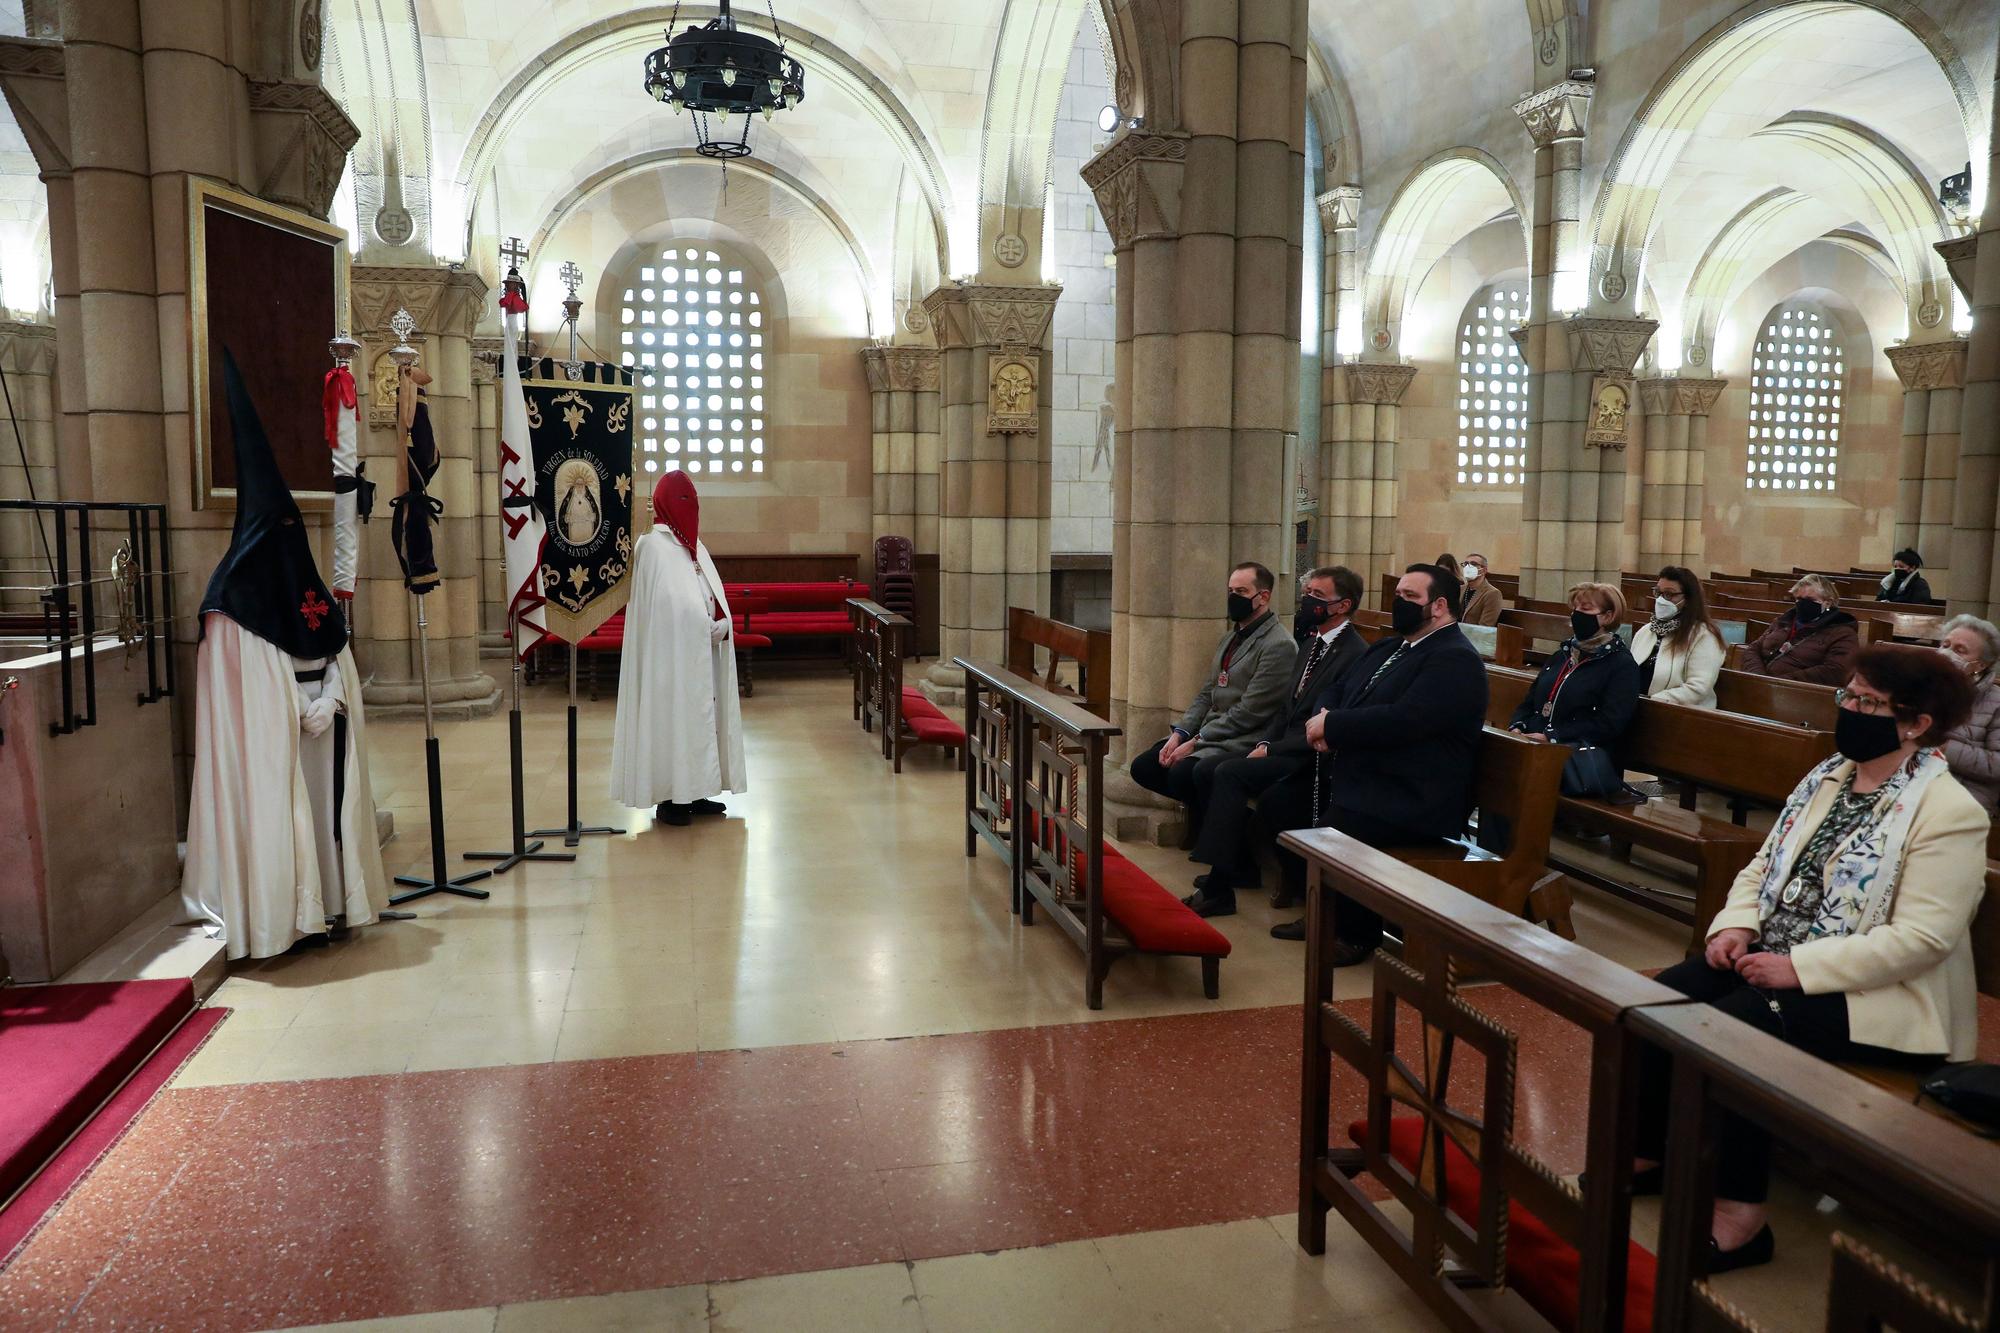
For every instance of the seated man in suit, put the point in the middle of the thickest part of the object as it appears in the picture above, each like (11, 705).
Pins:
(1400, 739)
(1245, 686)
(1327, 602)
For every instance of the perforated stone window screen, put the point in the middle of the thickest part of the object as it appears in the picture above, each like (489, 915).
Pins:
(693, 333)
(1492, 389)
(1797, 376)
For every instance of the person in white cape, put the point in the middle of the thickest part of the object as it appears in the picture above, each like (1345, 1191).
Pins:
(678, 741)
(281, 820)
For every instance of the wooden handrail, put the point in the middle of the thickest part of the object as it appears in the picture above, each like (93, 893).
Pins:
(1054, 708)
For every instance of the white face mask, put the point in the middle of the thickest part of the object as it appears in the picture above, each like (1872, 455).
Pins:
(1664, 609)
(1969, 665)
(1472, 572)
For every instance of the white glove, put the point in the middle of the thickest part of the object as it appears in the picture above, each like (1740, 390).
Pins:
(318, 716)
(718, 631)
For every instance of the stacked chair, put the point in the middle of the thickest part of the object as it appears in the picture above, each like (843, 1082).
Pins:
(896, 575)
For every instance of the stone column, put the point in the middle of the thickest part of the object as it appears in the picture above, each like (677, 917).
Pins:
(446, 304)
(903, 401)
(1933, 376)
(1358, 504)
(993, 507)
(1340, 220)
(1674, 467)
(28, 355)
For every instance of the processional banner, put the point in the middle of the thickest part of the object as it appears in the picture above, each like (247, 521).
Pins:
(582, 434)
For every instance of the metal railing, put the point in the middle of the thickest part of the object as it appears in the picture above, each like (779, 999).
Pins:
(137, 580)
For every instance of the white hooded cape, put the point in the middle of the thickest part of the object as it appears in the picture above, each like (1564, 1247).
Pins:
(679, 734)
(253, 859)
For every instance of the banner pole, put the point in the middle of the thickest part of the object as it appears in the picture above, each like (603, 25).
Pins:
(440, 880)
(573, 832)
(523, 850)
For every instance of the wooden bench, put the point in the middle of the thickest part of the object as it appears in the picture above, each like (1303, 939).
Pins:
(1752, 758)
(1795, 701)
(902, 716)
(1090, 649)
(1515, 791)
(1501, 643)
(1034, 790)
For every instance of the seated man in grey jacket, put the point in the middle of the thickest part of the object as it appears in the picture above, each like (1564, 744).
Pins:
(1244, 690)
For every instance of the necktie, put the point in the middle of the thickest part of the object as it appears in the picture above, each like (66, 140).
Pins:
(1387, 662)
(1312, 662)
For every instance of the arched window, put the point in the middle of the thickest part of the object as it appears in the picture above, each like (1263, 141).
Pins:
(1797, 376)
(1493, 389)
(694, 334)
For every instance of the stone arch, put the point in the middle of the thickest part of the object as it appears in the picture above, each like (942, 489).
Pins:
(373, 64)
(1023, 95)
(1445, 199)
(1145, 44)
(1711, 77)
(668, 159)
(1329, 102)
(635, 31)
(1559, 37)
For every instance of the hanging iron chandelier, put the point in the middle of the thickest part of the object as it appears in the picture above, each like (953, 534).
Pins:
(716, 69)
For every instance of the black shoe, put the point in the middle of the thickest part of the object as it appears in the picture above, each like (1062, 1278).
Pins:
(1348, 955)
(1289, 930)
(680, 816)
(1210, 904)
(1759, 1249)
(709, 808)
(1283, 898)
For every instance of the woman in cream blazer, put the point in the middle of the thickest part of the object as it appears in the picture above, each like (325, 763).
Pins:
(1682, 646)
(1848, 936)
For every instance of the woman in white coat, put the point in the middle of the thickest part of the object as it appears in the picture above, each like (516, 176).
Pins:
(1680, 654)
(678, 738)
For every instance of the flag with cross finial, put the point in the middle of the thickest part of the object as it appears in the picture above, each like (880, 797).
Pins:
(522, 531)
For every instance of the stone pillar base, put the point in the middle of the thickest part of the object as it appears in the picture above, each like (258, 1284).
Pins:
(1133, 814)
(453, 700)
(944, 685)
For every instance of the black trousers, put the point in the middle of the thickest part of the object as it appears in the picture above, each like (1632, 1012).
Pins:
(1816, 1024)
(1286, 805)
(1224, 845)
(1186, 781)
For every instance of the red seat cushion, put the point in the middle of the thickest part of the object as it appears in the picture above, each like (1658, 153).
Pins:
(1540, 1266)
(1153, 918)
(751, 640)
(831, 596)
(602, 639)
(796, 623)
(935, 730)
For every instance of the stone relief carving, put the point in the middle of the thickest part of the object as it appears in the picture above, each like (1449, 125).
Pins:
(1012, 395)
(382, 393)
(1610, 405)
(303, 138)
(309, 34)
(1673, 396)
(1929, 313)
(441, 300)
(1599, 343)
(989, 315)
(1939, 365)
(1137, 185)
(1560, 111)
(1010, 250)
(1377, 382)
(901, 369)
(1340, 208)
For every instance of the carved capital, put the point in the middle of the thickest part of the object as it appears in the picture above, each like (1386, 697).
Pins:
(1137, 183)
(1923, 366)
(987, 315)
(1676, 397)
(1600, 343)
(31, 74)
(1958, 254)
(1559, 111)
(302, 139)
(27, 349)
(901, 369)
(1377, 381)
(486, 354)
(441, 300)
(1340, 208)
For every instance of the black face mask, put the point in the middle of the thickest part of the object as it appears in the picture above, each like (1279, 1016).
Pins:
(1863, 736)
(1808, 611)
(1407, 617)
(1584, 625)
(1313, 612)
(1241, 608)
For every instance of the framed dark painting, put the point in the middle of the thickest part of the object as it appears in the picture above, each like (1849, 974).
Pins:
(269, 284)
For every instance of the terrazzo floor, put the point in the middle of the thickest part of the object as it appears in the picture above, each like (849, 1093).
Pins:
(795, 1065)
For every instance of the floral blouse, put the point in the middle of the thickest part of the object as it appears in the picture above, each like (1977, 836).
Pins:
(1799, 903)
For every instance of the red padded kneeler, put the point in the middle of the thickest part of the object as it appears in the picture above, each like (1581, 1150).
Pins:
(1155, 920)
(1540, 1266)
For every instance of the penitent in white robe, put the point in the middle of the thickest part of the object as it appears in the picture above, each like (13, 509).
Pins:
(679, 734)
(260, 849)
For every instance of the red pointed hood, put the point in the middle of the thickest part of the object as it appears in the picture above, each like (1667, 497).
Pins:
(676, 505)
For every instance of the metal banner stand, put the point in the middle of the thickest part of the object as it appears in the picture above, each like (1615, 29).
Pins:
(573, 832)
(440, 880)
(524, 850)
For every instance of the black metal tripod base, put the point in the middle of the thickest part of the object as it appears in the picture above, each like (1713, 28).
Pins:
(572, 835)
(424, 888)
(508, 860)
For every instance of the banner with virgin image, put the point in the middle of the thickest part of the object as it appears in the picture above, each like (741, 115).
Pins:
(582, 435)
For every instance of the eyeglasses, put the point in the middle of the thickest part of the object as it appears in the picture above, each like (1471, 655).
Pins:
(1863, 703)
(1675, 597)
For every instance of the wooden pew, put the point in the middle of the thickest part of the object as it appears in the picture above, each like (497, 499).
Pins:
(1515, 792)
(1504, 1202)
(1090, 649)
(1506, 649)
(1794, 701)
(1754, 759)
(880, 645)
(1034, 791)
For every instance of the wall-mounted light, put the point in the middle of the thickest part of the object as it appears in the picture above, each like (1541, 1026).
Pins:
(1108, 119)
